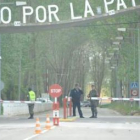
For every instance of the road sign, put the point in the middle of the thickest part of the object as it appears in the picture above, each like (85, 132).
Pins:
(134, 92)
(1, 85)
(55, 113)
(55, 90)
(134, 85)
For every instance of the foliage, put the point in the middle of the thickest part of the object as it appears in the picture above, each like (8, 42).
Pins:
(65, 53)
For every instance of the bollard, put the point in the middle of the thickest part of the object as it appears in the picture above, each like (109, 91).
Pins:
(70, 106)
(65, 108)
(56, 114)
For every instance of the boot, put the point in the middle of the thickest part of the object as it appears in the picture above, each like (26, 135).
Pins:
(92, 116)
(31, 116)
(95, 116)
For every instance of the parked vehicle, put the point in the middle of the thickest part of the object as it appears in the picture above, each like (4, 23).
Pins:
(85, 104)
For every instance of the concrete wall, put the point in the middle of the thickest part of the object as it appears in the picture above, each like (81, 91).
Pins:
(13, 109)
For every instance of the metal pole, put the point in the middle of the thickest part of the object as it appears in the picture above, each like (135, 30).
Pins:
(55, 100)
(139, 60)
(19, 78)
(0, 76)
(47, 81)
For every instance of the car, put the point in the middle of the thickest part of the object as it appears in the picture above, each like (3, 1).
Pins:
(44, 100)
(85, 104)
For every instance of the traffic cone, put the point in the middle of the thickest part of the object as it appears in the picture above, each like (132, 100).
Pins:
(48, 125)
(38, 129)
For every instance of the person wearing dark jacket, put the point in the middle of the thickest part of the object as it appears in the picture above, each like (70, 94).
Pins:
(93, 103)
(75, 94)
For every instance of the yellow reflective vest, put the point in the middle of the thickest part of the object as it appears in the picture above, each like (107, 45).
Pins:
(32, 96)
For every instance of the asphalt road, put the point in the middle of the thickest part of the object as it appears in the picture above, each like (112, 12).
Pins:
(109, 125)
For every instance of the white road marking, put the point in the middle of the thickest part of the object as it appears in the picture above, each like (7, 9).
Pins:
(124, 126)
(39, 134)
(25, 125)
(31, 137)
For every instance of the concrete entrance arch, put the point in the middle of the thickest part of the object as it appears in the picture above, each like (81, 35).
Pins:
(65, 24)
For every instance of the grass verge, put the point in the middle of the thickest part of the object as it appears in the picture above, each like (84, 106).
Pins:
(125, 108)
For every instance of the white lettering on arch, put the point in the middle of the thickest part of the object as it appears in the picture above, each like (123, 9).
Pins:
(107, 3)
(121, 3)
(27, 11)
(88, 9)
(72, 13)
(8, 10)
(44, 14)
(54, 13)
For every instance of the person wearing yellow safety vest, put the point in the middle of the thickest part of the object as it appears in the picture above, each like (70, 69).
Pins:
(31, 97)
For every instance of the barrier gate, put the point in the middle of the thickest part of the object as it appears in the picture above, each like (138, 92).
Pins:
(67, 107)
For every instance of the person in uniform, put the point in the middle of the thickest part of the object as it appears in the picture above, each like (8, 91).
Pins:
(93, 103)
(75, 94)
(31, 97)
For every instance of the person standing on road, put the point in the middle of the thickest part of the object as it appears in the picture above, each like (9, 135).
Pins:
(75, 94)
(93, 103)
(31, 97)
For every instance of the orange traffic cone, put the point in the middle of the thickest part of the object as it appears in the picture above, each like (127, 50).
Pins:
(48, 125)
(38, 129)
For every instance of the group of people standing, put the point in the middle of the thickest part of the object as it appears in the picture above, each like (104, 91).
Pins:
(76, 93)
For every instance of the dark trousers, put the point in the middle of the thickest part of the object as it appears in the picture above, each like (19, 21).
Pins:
(77, 104)
(31, 109)
(94, 108)
(94, 111)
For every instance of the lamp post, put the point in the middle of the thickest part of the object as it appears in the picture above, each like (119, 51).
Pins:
(139, 60)
(116, 58)
(119, 38)
(19, 77)
(114, 66)
(115, 69)
(0, 74)
(133, 39)
(138, 41)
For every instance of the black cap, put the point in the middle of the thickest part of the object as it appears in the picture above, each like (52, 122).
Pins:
(76, 85)
(29, 89)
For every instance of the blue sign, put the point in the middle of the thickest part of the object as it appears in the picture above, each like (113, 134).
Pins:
(134, 85)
